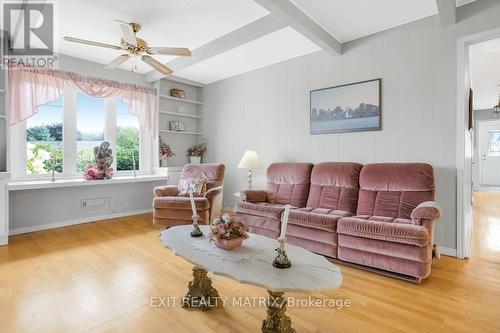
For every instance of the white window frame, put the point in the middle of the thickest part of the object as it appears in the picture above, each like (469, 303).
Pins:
(18, 142)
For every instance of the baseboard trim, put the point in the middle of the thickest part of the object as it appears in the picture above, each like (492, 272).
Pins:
(446, 251)
(68, 223)
(4, 240)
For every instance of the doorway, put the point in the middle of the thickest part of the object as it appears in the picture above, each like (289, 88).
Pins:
(489, 154)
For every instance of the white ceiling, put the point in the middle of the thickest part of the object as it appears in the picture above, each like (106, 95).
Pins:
(192, 23)
(176, 23)
(485, 73)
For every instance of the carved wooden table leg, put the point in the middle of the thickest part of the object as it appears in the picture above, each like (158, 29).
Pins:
(201, 295)
(277, 321)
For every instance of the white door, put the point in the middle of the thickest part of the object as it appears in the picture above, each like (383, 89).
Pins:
(489, 150)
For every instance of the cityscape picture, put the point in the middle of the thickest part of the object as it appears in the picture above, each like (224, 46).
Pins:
(352, 107)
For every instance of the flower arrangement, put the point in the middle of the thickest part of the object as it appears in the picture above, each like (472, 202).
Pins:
(227, 227)
(197, 150)
(165, 150)
(93, 174)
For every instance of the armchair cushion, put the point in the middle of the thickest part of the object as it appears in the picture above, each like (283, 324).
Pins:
(181, 203)
(427, 210)
(197, 185)
(254, 195)
(166, 191)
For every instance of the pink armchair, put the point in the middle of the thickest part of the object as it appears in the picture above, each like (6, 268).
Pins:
(169, 209)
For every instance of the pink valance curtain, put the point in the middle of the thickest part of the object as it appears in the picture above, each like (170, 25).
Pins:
(31, 87)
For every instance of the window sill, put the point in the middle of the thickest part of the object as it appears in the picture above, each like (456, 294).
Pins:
(75, 182)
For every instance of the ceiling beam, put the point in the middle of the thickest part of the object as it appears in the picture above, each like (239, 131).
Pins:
(243, 35)
(297, 19)
(447, 11)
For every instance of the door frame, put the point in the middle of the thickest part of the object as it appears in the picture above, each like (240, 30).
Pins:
(464, 180)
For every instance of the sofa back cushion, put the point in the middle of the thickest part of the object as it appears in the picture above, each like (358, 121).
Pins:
(335, 185)
(394, 189)
(288, 183)
(213, 173)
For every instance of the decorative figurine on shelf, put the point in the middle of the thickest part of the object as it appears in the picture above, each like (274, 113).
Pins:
(196, 232)
(177, 93)
(164, 153)
(281, 260)
(228, 232)
(103, 156)
(196, 152)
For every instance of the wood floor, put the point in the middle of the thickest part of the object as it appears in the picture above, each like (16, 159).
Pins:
(100, 277)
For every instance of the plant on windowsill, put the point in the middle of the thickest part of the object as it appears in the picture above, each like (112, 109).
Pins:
(228, 232)
(196, 153)
(164, 153)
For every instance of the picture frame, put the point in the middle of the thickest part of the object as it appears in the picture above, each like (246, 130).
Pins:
(352, 107)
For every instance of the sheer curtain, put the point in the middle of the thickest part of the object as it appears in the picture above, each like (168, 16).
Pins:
(31, 87)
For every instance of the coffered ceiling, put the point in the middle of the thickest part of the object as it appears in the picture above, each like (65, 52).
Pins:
(229, 37)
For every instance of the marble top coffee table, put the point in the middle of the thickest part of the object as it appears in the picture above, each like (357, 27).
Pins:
(250, 264)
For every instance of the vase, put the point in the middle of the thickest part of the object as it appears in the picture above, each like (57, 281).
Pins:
(229, 244)
(163, 163)
(195, 159)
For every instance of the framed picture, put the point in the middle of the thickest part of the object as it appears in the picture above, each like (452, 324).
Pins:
(353, 107)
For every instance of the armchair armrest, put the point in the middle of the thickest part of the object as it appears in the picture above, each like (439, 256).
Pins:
(166, 191)
(254, 196)
(213, 191)
(427, 210)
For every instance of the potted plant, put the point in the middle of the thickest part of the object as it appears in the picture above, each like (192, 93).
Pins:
(164, 153)
(228, 232)
(196, 152)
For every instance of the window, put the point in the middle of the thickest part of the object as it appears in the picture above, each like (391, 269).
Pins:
(64, 133)
(91, 125)
(44, 136)
(127, 138)
(494, 143)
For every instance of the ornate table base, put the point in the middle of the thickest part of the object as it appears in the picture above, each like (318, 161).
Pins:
(201, 295)
(277, 321)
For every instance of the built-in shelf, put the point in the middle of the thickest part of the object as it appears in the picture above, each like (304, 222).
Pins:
(186, 115)
(181, 99)
(179, 132)
(3, 117)
(2, 91)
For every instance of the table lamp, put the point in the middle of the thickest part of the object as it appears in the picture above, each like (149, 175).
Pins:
(250, 161)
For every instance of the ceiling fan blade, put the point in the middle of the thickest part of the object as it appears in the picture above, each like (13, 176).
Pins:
(127, 33)
(89, 42)
(179, 51)
(156, 65)
(117, 61)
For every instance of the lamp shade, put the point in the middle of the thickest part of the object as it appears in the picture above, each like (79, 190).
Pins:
(250, 160)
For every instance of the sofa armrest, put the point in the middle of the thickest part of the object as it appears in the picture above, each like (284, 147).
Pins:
(166, 191)
(427, 210)
(254, 196)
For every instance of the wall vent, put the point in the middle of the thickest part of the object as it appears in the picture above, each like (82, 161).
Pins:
(97, 203)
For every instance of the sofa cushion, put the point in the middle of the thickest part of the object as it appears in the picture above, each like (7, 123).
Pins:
(394, 189)
(180, 203)
(335, 185)
(316, 218)
(288, 183)
(386, 231)
(263, 209)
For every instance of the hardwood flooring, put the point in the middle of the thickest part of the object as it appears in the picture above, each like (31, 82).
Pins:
(100, 277)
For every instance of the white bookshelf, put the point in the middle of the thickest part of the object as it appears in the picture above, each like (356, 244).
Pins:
(187, 110)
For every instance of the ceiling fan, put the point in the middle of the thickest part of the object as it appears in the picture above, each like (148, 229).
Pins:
(136, 47)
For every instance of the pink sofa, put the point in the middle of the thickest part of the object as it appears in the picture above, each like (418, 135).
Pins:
(377, 216)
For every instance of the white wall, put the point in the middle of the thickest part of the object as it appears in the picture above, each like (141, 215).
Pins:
(268, 109)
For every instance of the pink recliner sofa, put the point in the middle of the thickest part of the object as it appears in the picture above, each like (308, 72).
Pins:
(169, 209)
(378, 217)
